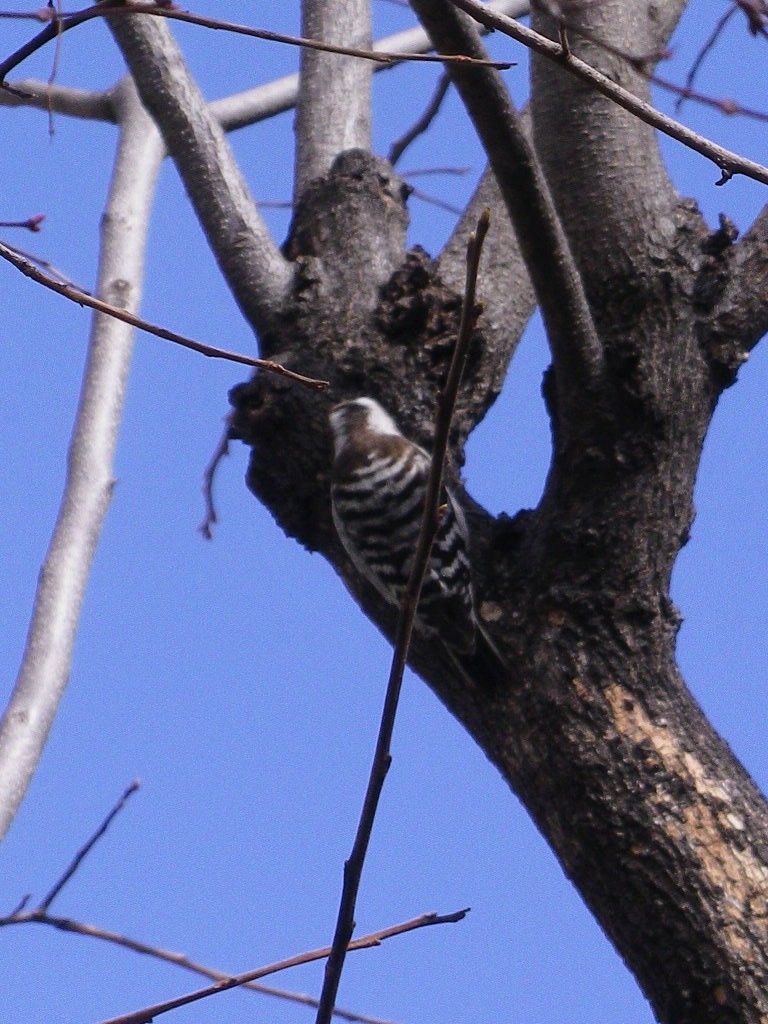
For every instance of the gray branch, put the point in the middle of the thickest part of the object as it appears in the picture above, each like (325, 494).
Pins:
(46, 663)
(60, 99)
(250, 261)
(334, 107)
(571, 333)
(603, 213)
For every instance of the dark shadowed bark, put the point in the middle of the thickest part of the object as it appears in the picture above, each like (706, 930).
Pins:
(649, 315)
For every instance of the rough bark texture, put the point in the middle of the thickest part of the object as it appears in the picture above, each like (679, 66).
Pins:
(659, 827)
(651, 816)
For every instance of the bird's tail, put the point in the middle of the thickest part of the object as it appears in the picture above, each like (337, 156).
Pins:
(485, 666)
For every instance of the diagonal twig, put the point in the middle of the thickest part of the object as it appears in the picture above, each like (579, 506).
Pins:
(148, 1013)
(728, 162)
(84, 299)
(63, 23)
(353, 868)
(21, 916)
(708, 45)
(442, 204)
(83, 852)
(420, 126)
(640, 61)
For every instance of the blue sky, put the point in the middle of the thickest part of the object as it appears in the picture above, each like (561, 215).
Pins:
(238, 681)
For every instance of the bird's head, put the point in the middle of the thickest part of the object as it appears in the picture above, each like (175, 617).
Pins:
(354, 419)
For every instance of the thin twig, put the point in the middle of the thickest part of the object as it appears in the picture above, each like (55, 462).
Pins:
(41, 15)
(729, 163)
(148, 1013)
(62, 23)
(18, 916)
(443, 204)
(30, 224)
(705, 49)
(424, 171)
(221, 450)
(725, 105)
(236, 111)
(382, 758)
(83, 299)
(83, 852)
(45, 265)
(54, 28)
(431, 111)
(54, 63)
(312, 44)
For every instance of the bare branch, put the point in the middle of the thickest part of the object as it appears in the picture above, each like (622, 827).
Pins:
(441, 204)
(430, 522)
(250, 261)
(60, 23)
(45, 666)
(55, 27)
(44, 264)
(240, 109)
(728, 162)
(146, 1015)
(640, 63)
(316, 41)
(334, 109)
(263, 101)
(708, 44)
(423, 123)
(30, 224)
(84, 299)
(504, 286)
(66, 924)
(726, 105)
(92, 106)
(559, 290)
(39, 15)
(83, 852)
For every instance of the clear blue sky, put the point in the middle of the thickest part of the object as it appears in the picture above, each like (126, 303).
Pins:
(238, 681)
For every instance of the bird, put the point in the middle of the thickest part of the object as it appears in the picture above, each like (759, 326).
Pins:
(378, 491)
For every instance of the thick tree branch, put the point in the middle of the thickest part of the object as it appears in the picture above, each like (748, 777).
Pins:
(334, 108)
(45, 666)
(255, 271)
(597, 133)
(572, 337)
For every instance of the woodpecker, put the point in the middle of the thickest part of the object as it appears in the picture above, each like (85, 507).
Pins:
(378, 490)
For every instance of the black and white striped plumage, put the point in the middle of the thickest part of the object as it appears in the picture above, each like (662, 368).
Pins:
(377, 494)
